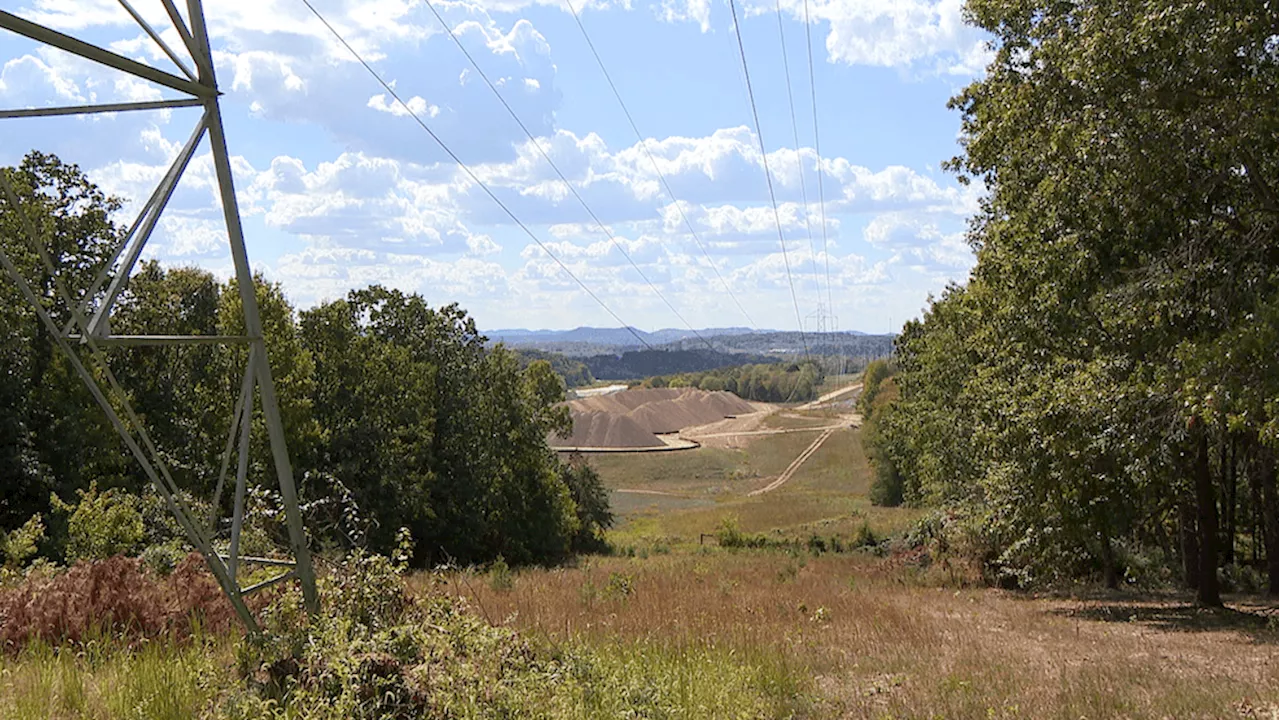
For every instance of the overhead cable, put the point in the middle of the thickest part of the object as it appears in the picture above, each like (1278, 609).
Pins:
(795, 134)
(642, 141)
(391, 91)
(546, 156)
(817, 149)
(764, 158)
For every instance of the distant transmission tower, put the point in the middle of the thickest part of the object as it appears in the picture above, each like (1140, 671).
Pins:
(88, 331)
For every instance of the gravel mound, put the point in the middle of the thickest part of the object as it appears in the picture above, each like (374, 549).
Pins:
(599, 429)
(631, 418)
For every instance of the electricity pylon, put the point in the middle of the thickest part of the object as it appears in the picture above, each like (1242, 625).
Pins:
(88, 331)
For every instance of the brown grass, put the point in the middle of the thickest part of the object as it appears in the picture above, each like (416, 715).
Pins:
(882, 641)
(115, 597)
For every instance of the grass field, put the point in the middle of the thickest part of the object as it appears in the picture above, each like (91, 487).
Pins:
(673, 628)
(827, 495)
(875, 641)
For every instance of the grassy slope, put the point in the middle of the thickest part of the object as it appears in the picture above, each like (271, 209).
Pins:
(684, 631)
(881, 642)
(826, 495)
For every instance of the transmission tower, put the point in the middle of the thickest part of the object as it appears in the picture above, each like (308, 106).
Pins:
(88, 332)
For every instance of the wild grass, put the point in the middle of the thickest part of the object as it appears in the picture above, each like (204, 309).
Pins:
(827, 495)
(877, 640)
(104, 679)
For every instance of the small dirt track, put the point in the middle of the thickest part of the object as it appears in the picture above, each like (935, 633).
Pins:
(795, 464)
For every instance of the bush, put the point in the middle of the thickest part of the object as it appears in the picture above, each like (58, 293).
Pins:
(729, 535)
(886, 488)
(116, 596)
(20, 545)
(591, 501)
(102, 524)
(500, 576)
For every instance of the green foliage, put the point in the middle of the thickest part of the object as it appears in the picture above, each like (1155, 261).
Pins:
(21, 545)
(730, 535)
(780, 382)
(1113, 330)
(500, 575)
(591, 500)
(574, 373)
(872, 376)
(102, 524)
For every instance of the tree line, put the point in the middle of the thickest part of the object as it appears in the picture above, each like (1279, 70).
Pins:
(762, 382)
(396, 413)
(1101, 395)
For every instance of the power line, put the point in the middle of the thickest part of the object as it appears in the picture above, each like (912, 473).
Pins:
(817, 149)
(546, 156)
(471, 174)
(764, 158)
(641, 140)
(795, 133)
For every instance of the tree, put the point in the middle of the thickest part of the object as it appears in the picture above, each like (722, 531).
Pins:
(1112, 332)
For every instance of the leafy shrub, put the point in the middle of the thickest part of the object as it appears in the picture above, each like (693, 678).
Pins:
(116, 596)
(500, 577)
(866, 537)
(102, 524)
(591, 501)
(886, 488)
(19, 546)
(376, 652)
(729, 535)
(621, 585)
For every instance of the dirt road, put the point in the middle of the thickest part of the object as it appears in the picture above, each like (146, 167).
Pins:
(823, 400)
(795, 464)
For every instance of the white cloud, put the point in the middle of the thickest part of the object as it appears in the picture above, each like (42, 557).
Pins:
(882, 33)
(416, 106)
(917, 242)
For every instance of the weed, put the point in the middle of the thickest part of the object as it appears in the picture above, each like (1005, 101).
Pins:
(500, 575)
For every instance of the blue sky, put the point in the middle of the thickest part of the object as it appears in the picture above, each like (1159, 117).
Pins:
(339, 188)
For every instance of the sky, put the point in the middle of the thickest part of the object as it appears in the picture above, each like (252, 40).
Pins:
(340, 188)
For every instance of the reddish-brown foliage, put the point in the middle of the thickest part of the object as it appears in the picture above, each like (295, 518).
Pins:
(118, 597)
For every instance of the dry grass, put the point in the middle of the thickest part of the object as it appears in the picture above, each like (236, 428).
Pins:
(882, 641)
(827, 495)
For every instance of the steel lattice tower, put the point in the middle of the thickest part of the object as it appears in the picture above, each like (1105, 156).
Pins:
(88, 331)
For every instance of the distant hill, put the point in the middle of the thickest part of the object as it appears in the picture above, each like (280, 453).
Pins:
(620, 337)
(587, 341)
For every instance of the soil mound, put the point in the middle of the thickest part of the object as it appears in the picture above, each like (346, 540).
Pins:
(631, 418)
(599, 429)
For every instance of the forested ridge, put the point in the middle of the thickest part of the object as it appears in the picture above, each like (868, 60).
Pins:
(396, 413)
(1100, 398)
(762, 382)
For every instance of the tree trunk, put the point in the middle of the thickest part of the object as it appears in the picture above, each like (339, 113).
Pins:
(1190, 548)
(1254, 475)
(1267, 479)
(1207, 593)
(1229, 512)
(1110, 577)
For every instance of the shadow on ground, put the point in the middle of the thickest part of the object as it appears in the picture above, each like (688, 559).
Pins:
(1254, 619)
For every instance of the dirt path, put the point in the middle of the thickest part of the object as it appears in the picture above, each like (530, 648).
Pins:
(823, 400)
(795, 464)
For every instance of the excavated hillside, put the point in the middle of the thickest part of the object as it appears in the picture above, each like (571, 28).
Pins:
(633, 418)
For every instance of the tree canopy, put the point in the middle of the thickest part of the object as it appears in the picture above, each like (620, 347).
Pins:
(396, 413)
(1106, 380)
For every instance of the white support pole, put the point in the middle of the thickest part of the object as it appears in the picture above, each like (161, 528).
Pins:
(53, 38)
(253, 321)
(156, 37)
(104, 108)
(167, 186)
